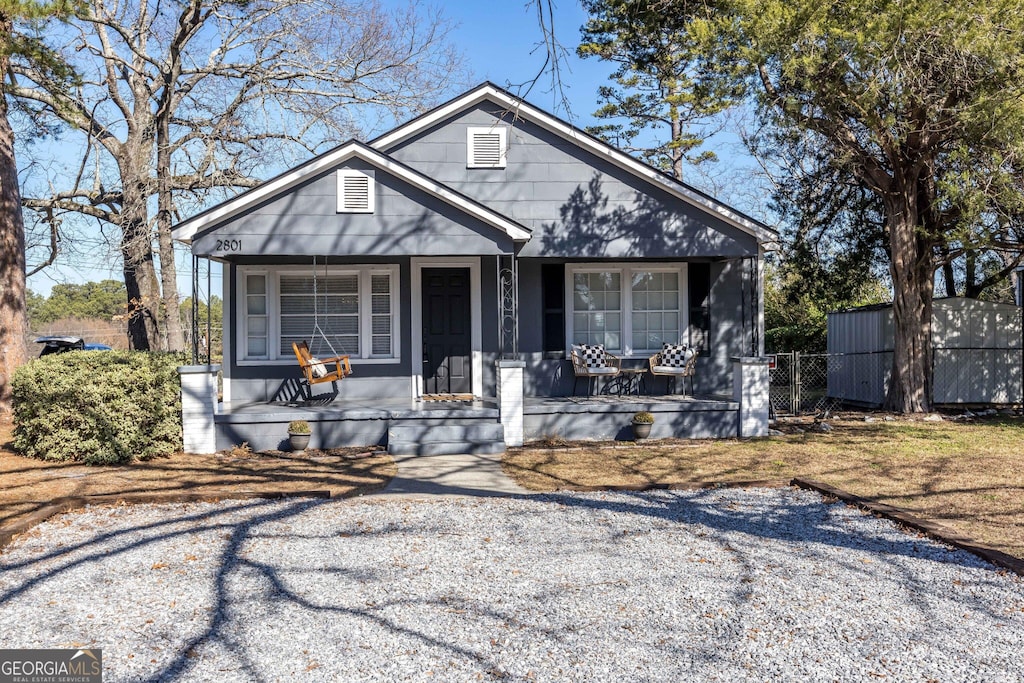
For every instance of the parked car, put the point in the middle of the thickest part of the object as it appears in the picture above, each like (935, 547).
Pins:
(64, 344)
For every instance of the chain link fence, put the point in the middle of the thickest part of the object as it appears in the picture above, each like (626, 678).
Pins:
(799, 382)
(803, 383)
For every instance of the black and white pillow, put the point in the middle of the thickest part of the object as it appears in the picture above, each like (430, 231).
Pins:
(675, 355)
(593, 355)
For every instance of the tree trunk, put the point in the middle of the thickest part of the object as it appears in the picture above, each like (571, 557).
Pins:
(910, 265)
(173, 334)
(13, 318)
(948, 277)
(140, 282)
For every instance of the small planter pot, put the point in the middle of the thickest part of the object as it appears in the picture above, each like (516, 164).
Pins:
(641, 430)
(299, 442)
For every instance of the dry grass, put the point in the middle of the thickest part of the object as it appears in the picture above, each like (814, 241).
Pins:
(967, 476)
(28, 485)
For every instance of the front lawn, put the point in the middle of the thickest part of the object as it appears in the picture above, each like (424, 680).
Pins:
(967, 476)
(29, 486)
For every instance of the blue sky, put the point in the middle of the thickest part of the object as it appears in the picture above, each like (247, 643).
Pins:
(500, 40)
(512, 54)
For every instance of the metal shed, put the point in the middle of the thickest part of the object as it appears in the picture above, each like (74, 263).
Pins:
(976, 344)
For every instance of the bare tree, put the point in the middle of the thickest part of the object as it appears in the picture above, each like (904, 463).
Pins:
(183, 99)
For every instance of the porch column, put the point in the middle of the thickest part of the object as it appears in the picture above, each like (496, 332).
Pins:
(198, 406)
(750, 390)
(510, 399)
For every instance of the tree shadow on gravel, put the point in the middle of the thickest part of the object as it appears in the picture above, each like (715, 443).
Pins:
(738, 531)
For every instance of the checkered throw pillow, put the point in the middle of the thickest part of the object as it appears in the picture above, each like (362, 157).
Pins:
(675, 355)
(592, 355)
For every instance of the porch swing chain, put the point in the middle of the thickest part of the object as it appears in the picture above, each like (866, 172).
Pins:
(316, 305)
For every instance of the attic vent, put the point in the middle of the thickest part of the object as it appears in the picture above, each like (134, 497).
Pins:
(355, 191)
(487, 147)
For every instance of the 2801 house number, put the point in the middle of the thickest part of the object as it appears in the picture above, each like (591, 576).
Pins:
(228, 245)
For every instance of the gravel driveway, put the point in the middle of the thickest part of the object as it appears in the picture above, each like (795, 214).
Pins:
(759, 584)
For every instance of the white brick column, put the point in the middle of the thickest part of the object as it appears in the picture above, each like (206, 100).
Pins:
(510, 399)
(198, 405)
(750, 390)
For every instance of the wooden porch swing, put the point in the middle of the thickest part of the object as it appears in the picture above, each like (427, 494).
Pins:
(315, 370)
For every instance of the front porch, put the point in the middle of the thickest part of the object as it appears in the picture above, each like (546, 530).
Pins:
(426, 427)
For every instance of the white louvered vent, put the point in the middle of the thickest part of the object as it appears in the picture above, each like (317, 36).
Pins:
(488, 147)
(355, 191)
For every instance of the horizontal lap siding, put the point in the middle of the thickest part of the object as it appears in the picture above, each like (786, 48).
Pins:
(577, 204)
(406, 222)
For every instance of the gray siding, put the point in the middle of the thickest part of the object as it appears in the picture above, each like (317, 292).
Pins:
(406, 222)
(577, 204)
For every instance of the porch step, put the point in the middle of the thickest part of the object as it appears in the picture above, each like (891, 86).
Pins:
(419, 437)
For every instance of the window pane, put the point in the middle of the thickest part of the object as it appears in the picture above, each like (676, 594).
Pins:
(597, 300)
(294, 305)
(257, 326)
(381, 303)
(256, 284)
(381, 345)
(381, 324)
(380, 284)
(657, 300)
(257, 346)
(256, 305)
(325, 285)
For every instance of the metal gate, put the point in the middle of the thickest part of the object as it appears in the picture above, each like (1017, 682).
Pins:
(798, 383)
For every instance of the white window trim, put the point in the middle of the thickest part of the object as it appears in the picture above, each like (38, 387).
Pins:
(626, 270)
(344, 173)
(273, 274)
(502, 132)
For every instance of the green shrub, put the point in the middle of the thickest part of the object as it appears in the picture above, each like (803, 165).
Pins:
(98, 407)
(643, 418)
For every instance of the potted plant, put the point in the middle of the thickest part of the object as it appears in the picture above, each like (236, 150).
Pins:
(642, 422)
(298, 434)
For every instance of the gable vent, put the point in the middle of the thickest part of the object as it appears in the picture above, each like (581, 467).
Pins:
(487, 147)
(355, 191)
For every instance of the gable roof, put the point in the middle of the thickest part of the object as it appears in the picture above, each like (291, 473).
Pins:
(353, 149)
(521, 109)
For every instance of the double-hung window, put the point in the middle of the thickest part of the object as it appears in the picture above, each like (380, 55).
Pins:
(631, 309)
(349, 310)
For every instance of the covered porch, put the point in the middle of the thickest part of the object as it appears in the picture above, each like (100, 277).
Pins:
(473, 426)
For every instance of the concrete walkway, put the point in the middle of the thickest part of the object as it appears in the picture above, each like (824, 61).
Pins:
(451, 475)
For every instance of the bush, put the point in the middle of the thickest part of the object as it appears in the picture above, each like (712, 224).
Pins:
(643, 418)
(100, 408)
(298, 427)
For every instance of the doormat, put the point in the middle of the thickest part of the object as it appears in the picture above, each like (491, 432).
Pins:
(447, 397)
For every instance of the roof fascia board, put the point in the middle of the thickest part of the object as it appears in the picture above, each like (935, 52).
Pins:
(555, 125)
(233, 207)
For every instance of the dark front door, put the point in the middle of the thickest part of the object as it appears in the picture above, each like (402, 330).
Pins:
(446, 329)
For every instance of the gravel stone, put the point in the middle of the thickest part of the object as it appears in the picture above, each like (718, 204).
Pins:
(717, 585)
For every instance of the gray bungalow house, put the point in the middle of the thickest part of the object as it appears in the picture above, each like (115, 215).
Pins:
(460, 256)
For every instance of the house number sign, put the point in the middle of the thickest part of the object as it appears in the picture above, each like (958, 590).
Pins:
(228, 245)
